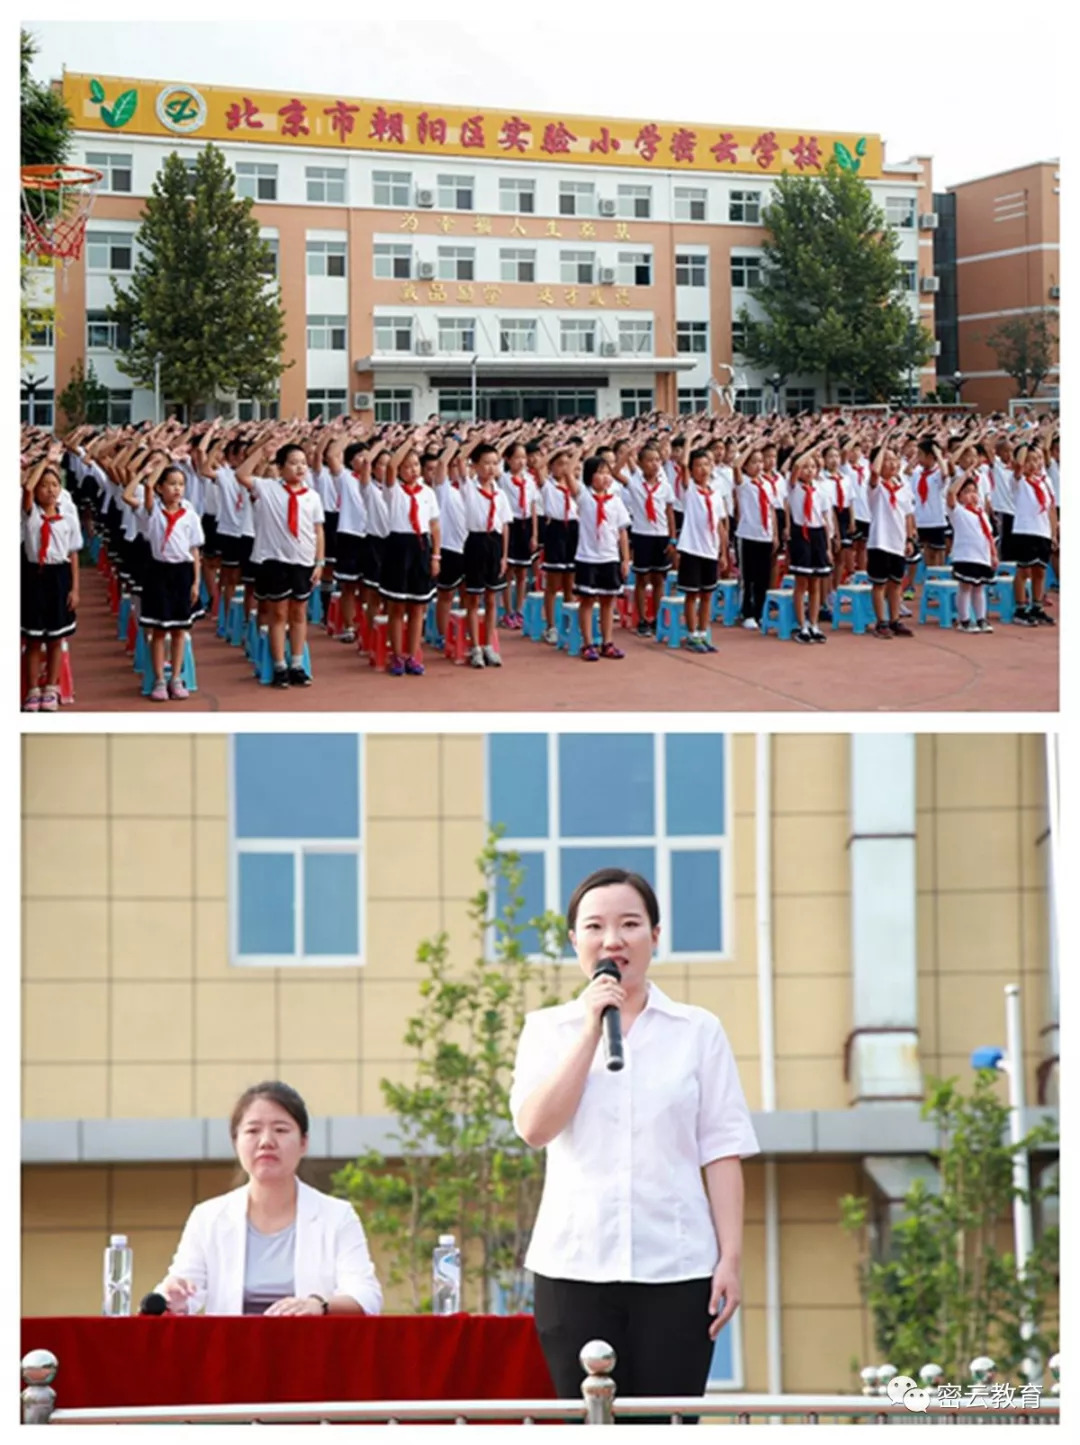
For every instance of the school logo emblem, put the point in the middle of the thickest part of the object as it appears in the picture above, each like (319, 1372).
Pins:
(181, 108)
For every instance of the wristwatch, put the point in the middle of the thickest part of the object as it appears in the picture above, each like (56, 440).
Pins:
(325, 1303)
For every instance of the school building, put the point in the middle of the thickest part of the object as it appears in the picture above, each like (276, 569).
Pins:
(549, 265)
(850, 906)
(997, 256)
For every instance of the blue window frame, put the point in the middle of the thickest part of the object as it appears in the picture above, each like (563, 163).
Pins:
(296, 848)
(656, 803)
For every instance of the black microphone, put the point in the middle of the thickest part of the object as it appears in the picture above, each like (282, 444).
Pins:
(610, 1021)
(153, 1304)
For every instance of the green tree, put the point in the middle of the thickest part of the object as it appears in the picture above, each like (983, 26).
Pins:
(45, 123)
(1025, 347)
(456, 1163)
(831, 290)
(944, 1293)
(85, 398)
(198, 296)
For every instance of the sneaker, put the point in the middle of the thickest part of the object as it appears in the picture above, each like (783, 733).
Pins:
(552, 636)
(492, 657)
(159, 693)
(825, 614)
(803, 634)
(33, 700)
(347, 637)
(817, 634)
(590, 654)
(968, 626)
(707, 644)
(1042, 617)
(909, 594)
(643, 628)
(476, 657)
(883, 630)
(1024, 617)
(50, 699)
(396, 666)
(983, 625)
(750, 623)
(298, 677)
(610, 650)
(694, 644)
(280, 677)
(439, 643)
(414, 667)
(899, 630)
(177, 691)
(904, 612)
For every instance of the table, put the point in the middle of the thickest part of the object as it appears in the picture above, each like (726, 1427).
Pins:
(180, 1360)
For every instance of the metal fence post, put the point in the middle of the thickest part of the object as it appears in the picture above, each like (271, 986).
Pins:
(39, 1369)
(598, 1388)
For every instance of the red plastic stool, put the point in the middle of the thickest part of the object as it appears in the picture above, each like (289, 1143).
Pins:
(132, 631)
(380, 642)
(333, 615)
(363, 629)
(67, 679)
(626, 607)
(114, 593)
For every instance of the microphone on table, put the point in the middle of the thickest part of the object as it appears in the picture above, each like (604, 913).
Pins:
(610, 1021)
(153, 1304)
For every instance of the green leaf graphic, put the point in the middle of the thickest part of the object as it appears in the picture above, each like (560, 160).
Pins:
(97, 92)
(106, 115)
(122, 111)
(860, 149)
(846, 160)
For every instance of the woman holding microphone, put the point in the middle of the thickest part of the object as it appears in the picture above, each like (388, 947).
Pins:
(275, 1246)
(638, 1239)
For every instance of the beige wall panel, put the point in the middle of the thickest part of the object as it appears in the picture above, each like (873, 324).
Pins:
(812, 1083)
(212, 942)
(67, 857)
(818, 1347)
(925, 755)
(319, 1020)
(812, 934)
(151, 858)
(970, 1012)
(810, 1191)
(65, 1091)
(1032, 858)
(753, 1264)
(755, 1349)
(65, 1023)
(56, 1197)
(211, 858)
(819, 1264)
(65, 776)
(929, 1034)
(754, 1184)
(743, 753)
(386, 1008)
(813, 1016)
(1033, 771)
(811, 773)
(393, 934)
(326, 1088)
(236, 1020)
(978, 933)
(214, 1179)
(742, 846)
(461, 776)
(211, 775)
(372, 1073)
(735, 1002)
(399, 857)
(151, 1021)
(65, 938)
(151, 940)
(156, 1197)
(977, 849)
(152, 1091)
(403, 777)
(61, 1274)
(461, 844)
(218, 1086)
(150, 777)
(810, 853)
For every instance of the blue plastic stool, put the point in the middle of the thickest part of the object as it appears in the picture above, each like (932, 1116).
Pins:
(260, 663)
(778, 614)
(937, 574)
(431, 627)
(570, 629)
(314, 606)
(670, 579)
(122, 615)
(234, 626)
(142, 651)
(671, 621)
(1052, 584)
(938, 596)
(858, 600)
(1000, 599)
(188, 675)
(725, 603)
(534, 627)
(94, 550)
(251, 635)
(1006, 569)
(305, 661)
(788, 583)
(222, 621)
(204, 594)
(860, 579)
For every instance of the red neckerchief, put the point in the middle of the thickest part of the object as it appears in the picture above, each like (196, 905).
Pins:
(838, 480)
(977, 511)
(891, 489)
(46, 532)
(706, 492)
(808, 508)
(171, 519)
(522, 490)
(680, 476)
(772, 478)
(490, 498)
(412, 491)
(1036, 484)
(924, 484)
(651, 489)
(763, 502)
(560, 487)
(601, 499)
(294, 495)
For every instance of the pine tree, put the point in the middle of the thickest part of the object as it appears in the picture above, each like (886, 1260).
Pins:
(85, 398)
(198, 297)
(830, 290)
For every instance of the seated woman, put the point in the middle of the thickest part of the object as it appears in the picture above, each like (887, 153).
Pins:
(274, 1246)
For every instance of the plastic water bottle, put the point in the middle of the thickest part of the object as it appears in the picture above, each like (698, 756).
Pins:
(118, 1272)
(446, 1277)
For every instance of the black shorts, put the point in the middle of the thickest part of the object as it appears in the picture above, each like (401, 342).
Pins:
(349, 563)
(598, 579)
(371, 555)
(975, 574)
(862, 530)
(44, 606)
(166, 598)
(882, 566)
(1029, 550)
(780, 517)
(451, 570)
(236, 552)
(845, 525)
(211, 545)
(483, 559)
(330, 535)
(406, 568)
(650, 553)
(1005, 546)
(697, 574)
(933, 537)
(522, 551)
(135, 558)
(560, 545)
(808, 556)
(277, 581)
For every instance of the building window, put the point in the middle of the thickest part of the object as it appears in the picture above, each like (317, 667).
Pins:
(326, 258)
(635, 401)
(43, 406)
(393, 333)
(910, 278)
(693, 399)
(455, 405)
(250, 409)
(738, 338)
(634, 202)
(325, 185)
(663, 802)
(457, 333)
(393, 404)
(296, 850)
(327, 403)
(692, 336)
(900, 212)
(799, 398)
(109, 250)
(517, 334)
(745, 206)
(577, 338)
(118, 409)
(634, 268)
(105, 335)
(392, 263)
(326, 333)
(852, 396)
(457, 263)
(577, 268)
(517, 197)
(746, 272)
(455, 193)
(41, 337)
(749, 400)
(635, 338)
(577, 198)
(270, 267)
(691, 269)
(391, 188)
(191, 165)
(517, 265)
(259, 181)
(691, 203)
(115, 169)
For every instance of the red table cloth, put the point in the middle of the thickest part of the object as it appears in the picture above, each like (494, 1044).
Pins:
(235, 1360)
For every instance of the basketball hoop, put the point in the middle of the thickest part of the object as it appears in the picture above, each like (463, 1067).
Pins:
(56, 203)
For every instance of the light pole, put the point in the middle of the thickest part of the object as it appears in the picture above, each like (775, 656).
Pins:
(776, 381)
(31, 383)
(157, 389)
(958, 381)
(472, 372)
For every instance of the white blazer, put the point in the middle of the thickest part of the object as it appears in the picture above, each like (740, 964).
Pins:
(331, 1252)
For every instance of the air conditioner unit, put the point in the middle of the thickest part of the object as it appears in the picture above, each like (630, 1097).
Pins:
(363, 401)
(930, 283)
(928, 221)
(1055, 293)
(425, 199)
(607, 275)
(606, 206)
(425, 270)
(608, 348)
(424, 348)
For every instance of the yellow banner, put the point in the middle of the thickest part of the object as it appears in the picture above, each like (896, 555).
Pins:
(388, 128)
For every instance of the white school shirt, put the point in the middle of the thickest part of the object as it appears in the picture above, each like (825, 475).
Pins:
(273, 540)
(600, 544)
(969, 543)
(777, 484)
(695, 535)
(821, 504)
(65, 534)
(352, 516)
(1029, 518)
(451, 516)
(479, 516)
(636, 498)
(723, 479)
(984, 477)
(186, 534)
(1053, 471)
(195, 487)
(857, 475)
(378, 523)
(751, 528)
(624, 1198)
(672, 470)
(234, 505)
(836, 489)
(398, 509)
(557, 502)
(888, 522)
(1004, 487)
(210, 499)
(129, 516)
(930, 513)
(514, 493)
(329, 489)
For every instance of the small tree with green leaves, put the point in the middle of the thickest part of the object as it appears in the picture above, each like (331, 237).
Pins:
(198, 295)
(45, 127)
(1025, 347)
(85, 398)
(944, 1293)
(457, 1164)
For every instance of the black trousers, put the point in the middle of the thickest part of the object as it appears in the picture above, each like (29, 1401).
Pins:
(659, 1332)
(755, 563)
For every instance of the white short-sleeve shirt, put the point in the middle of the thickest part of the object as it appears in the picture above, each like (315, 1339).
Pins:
(623, 1194)
(521, 492)
(399, 511)
(821, 504)
(637, 494)
(888, 518)
(971, 535)
(65, 534)
(451, 516)
(485, 512)
(749, 495)
(185, 534)
(557, 502)
(1031, 516)
(273, 540)
(600, 543)
(700, 534)
(233, 506)
(857, 475)
(931, 512)
(352, 513)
